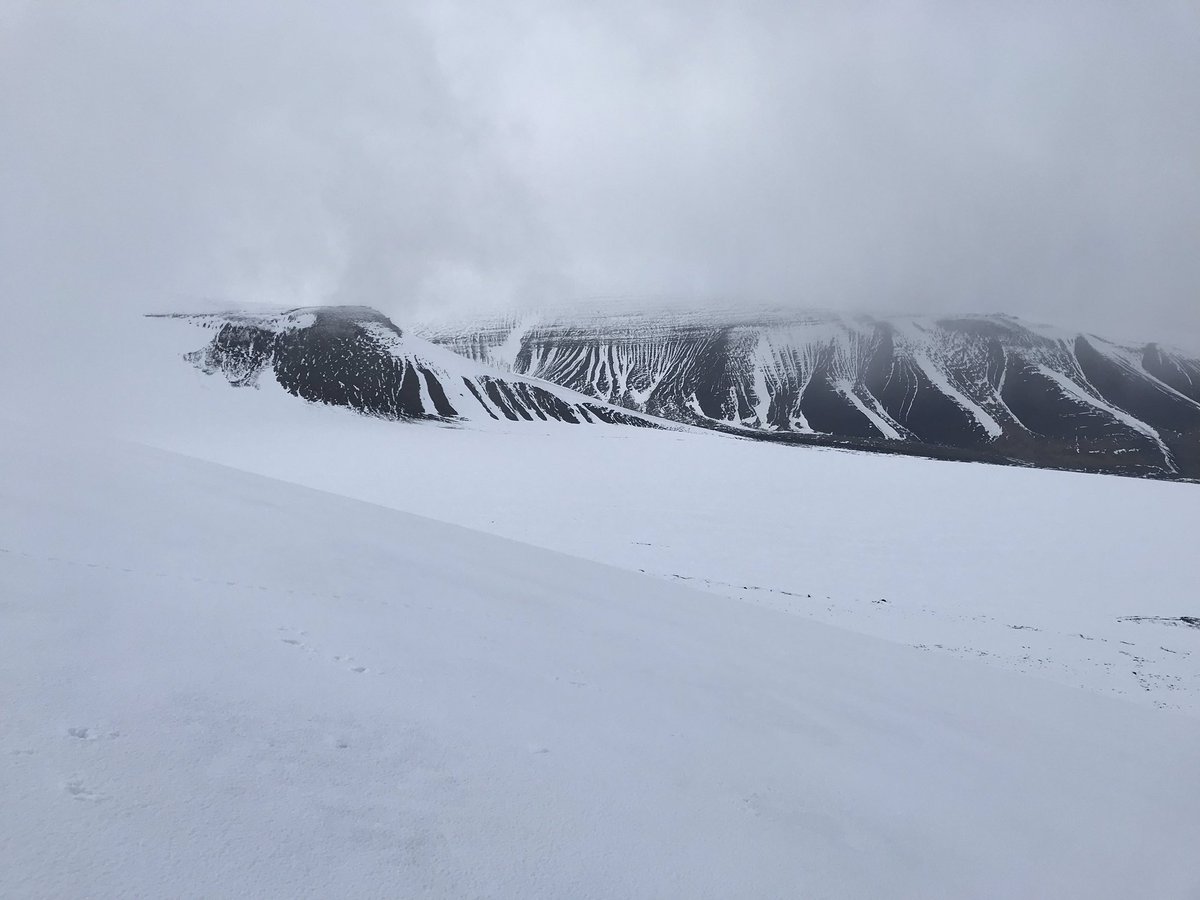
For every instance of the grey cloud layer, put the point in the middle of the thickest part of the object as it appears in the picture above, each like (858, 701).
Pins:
(1032, 158)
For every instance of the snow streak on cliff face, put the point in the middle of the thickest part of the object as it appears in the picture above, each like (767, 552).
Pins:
(356, 357)
(987, 387)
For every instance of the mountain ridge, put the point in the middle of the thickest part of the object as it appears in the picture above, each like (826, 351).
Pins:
(969, 388)
(358, 358)
(989, 388)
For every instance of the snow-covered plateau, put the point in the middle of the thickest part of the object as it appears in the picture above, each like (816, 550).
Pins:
(262, 647)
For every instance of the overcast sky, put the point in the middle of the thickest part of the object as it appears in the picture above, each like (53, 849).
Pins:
(1038, 158)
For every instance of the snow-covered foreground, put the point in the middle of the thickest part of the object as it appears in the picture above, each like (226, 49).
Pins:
(1027, 570)
(215, 684)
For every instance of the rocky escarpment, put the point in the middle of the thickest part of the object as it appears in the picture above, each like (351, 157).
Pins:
(357, 358)
(979, 387)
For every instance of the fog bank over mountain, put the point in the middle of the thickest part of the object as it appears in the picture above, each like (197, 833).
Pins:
(915, 157)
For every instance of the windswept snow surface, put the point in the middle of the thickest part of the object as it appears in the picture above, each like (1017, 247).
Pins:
(216, 684)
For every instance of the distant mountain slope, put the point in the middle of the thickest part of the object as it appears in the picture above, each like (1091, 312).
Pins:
(987, 387)
(356, 357)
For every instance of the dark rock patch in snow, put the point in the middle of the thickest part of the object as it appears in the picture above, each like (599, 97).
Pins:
(357, 358)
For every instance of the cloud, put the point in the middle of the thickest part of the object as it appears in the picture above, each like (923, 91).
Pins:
(1023, 157)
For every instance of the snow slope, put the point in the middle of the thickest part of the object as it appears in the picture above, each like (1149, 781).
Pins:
(216, 684)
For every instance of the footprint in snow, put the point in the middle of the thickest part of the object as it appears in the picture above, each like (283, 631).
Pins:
(82, 733)
(337, 658)
(77, 789)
